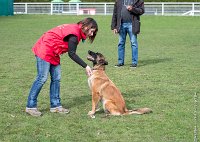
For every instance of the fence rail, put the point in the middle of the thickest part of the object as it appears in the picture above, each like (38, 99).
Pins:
(99, 8)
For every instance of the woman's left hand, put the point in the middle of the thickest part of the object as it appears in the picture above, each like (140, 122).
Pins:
(88, 71)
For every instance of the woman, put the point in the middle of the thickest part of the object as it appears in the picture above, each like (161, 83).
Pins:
(47, 50)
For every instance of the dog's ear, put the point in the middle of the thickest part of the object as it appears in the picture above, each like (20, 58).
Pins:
(103, 62)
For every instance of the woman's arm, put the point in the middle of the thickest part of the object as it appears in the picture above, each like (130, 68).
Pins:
(72, 46)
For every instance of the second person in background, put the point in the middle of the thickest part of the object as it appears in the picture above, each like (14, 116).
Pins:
(126, 20)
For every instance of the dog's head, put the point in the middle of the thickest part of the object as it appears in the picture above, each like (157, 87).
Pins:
(97, 59)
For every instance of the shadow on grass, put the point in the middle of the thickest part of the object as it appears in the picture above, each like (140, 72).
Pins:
(154, 61)
(79, 100)
(129, 97)
(132, 96)
(71, 102)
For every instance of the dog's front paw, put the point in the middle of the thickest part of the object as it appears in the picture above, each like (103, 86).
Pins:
(91, 114)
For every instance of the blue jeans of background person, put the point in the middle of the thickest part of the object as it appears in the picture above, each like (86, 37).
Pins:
(43, 69)
(126, 28)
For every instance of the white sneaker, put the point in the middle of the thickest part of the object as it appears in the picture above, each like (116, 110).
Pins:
(59, 109)
(33, 111)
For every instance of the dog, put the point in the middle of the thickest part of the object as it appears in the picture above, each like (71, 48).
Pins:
(104, 90)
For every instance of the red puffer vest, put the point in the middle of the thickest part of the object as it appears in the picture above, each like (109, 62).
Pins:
(50, 45)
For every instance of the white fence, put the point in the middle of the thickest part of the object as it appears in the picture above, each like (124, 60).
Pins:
(151, 8)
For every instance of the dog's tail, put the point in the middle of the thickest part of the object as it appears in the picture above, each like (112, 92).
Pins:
(138, 111)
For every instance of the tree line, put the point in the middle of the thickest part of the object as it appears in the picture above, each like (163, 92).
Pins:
(109, 0)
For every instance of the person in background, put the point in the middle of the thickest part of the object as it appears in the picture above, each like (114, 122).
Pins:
(126, 20)
(47, 50)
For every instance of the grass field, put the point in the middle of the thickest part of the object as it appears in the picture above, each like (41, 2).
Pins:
(166, 80)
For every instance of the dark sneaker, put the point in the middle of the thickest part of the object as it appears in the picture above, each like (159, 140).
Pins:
(119, 65)
(33, 112)
(59, 109)
(133, 66)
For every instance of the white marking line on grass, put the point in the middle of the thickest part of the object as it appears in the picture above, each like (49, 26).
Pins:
(195, 117)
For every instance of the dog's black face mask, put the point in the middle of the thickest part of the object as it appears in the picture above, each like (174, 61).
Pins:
(96, 58)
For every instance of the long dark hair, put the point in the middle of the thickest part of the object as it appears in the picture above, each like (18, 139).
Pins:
(91, 24)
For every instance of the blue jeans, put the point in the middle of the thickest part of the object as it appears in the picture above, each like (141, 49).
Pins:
(124, 29)
(43, 69)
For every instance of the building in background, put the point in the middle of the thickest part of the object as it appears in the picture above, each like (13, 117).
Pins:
(6, 7)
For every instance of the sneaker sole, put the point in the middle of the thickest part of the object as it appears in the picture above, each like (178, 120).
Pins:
(35, 115)
(119, 66)
(61, 112)
(133, 68)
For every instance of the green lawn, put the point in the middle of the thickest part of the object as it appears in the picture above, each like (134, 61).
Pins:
(166, 80)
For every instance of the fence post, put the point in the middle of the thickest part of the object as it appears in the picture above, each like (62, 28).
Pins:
(51, 8)
(105, 9)
(192, 9)
(26, 8)
(163, 8)
(77, 8)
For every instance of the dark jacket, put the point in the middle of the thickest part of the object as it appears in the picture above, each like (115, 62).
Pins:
(138, 9)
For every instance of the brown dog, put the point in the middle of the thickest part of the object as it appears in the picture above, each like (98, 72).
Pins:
(103, 89)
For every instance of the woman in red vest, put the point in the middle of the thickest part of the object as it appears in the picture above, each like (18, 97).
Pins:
(47, 50)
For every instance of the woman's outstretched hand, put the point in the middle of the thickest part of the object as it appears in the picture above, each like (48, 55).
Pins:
(88, 71)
